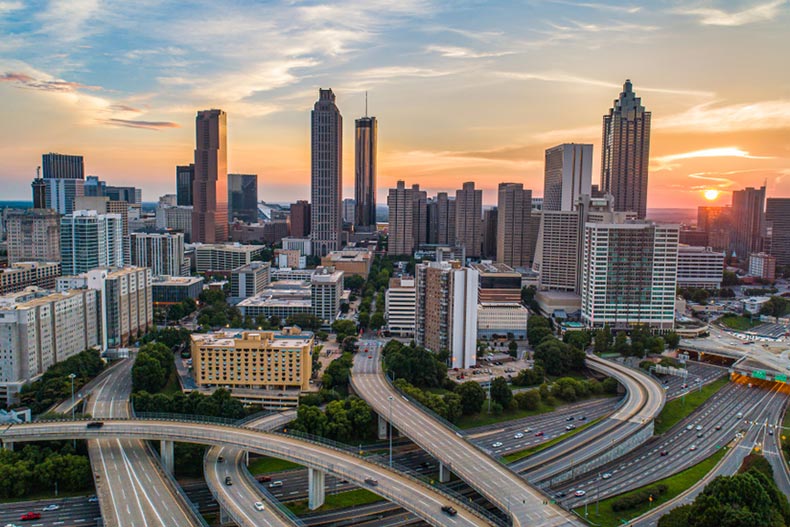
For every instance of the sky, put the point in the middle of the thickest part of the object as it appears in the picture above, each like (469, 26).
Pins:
(464, 90)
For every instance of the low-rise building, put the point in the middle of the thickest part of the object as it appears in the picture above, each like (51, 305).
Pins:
(281, 299)
(498, 283)
(303, 245)
(762, 266)
(290, 258)
(753, 304)
(168, 290)
(700, 267)
(289, 273)
(350, 261)
(25, 274)
(249, 280)
(224, 257)
(502, 320)
(400, 306)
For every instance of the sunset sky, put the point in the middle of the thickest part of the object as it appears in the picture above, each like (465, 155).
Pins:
(463, 90)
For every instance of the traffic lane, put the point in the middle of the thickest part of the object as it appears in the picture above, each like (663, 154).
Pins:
(72, 511)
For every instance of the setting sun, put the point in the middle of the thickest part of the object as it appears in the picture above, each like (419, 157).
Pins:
(711, 194)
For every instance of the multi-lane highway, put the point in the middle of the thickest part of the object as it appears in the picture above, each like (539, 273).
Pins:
(240, 497)
(496, 482)
(66, 405)
(71, 511)
(129, 483)
(412, 494)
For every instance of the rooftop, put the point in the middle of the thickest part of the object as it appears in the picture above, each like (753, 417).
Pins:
(287, 338)
(176, 280)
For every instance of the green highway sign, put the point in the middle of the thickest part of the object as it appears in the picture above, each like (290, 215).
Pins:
(781, 378)
(759, 374)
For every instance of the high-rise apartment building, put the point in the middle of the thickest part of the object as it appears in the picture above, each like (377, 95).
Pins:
(243, 197)
(365, 141)
(629, 273)
(106, 205)
(89, 240)
(489, 232)
(514, 213)
(326, 181)
(700, 267)
(446, 310)
(26, 274)
(400, 304)
(33, 235)
(62, 166)
(748, 213)
(441, 220)
(210, 187)
(556, 254)
(249, 280)
(185, 178)
(163, 253)
(469, 219)
(762, 266)
(326, 290)
(567, 175)
(175, 219)
(300, 219)
(39, 188)
(349, 210)
(777, 215)
(61, 193)
(401, 223)
(626, 152)
(419, 213)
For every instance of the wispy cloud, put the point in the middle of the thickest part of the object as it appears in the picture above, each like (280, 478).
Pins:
(396, 72)
(707, 117)
(68, 20)
(555, 76)
(611, 8)
(24, 80)
(147, 125)
(458, 52)
(668, 162)
(8, 6)
(710, 16)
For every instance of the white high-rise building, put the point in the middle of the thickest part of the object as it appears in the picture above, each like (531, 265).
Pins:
(568, 175)
(400, 306)
(89, 240)
(629, 273)
(556, 255)
(326, 290)
(162, 252)
(700, 267)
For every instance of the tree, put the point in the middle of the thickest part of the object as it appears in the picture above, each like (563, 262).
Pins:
(775, 307)
(513, 348)
(672, 339)
(530, 377)
(344, 328)
(472, 397)
(147, 374)
(730, 279)
(354, 282)
(537, 329)
(349, 344)
(528, 400)
(500, 392)
(621, 344)
(377, 320)
(304, 321)
(344, 308)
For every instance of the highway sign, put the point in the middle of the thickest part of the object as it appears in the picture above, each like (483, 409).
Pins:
(759, 374)
(781, 378)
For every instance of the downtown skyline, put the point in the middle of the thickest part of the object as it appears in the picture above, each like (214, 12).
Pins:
(461, 93)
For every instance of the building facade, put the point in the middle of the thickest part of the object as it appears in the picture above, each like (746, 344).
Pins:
(33, 235)
(556, 254)
(22, 275)
(167, 290)
(326, 291)
(469, 219)
(700, 267)
(350, 261)
(777, 215)
(567, 175)
(365, 141)
(401, 220)
(249, 280)
(441, 220)
(748, 213)
(626, 152)
(223, 257)
(163, 253)
(60, 194)
(210, 186)
(185, 178)
(299, 219)
(326, 184)
(62, 166)
(243, 197)
(762, 266)
(400, 300)
(89, 240)
(514, 213)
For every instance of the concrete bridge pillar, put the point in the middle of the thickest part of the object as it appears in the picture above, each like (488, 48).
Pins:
(315, 488)
(224, 517)
(444, 473)
(382, 428)
(8, 445)
(166, 455)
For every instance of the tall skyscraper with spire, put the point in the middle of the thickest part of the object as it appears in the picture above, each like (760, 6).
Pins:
(326, 181)
(210, 186)
(626, 152)
(365, 137)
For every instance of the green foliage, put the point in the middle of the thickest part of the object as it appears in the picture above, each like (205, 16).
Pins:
(700, 296)
(558, 358)
(677, 517)
(578, 339)
(472, 397)
(530, 377)
(377, 320)
(39, 469)
(637, 498)
(338, 372)
(344, 328)
(528, 400)
(776, 307)
(730, 279)
(55, 385)
(538, 328)
(188, 458)
(354, 282)
(603, 340)
(349, 420)
(500, 392)
(672, 339)
(304, 321)
(448, 406)
(415, 364)
(152, 367)
(212, 297)
(528, 297)
(218, 404)
(512, 348)
(349, 344)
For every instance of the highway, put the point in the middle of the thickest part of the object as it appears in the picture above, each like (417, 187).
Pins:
(239, 498)
(131, 489)
(493, 480)
(412, 494)
(64, 407)
(72, 511)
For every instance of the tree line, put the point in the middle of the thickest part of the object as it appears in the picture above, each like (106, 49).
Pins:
(38, 469)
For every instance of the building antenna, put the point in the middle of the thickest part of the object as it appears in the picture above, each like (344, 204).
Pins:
(38, 172)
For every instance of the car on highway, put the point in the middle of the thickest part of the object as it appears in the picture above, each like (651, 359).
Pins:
(93, 499)
(770, 432)
(699, 427)
(51, 507)
(527, 430)
(275, 484)
(11, 525)
(372, 482)
(228, 481)
(263, 479)
(579, 493)
(664, 453)
(562, 494)
(259, 505)
(538, 434)
(739, 415)
(718, 427)
(690, 427)
(693, 448)
(30, 516)
(220, 459)
(606, 475)
(94, 424)
(570, 427)
(449, 510)
(497, 444)
(569, 418)
(518, 435)
(582, 418)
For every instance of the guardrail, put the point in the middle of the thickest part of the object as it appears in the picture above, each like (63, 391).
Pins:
(281, 510)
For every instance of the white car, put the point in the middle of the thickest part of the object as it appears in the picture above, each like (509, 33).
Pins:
(699, 427)
(693, 448)
(606, 475)
(497, 444)
(690, 427)
(259, 505)
(579, 493)
(519, 435)
(52, 507)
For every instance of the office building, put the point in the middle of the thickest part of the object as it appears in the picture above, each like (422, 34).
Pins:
(268, 231)
(89, 240)
(700, 267)
(365, 145)
(163, 253)
(441, 220)
(626, 152)
(326, 182)
(210, 186)
(777, 215)
(326, 291)
(60, 194)
(289, 258)
(168, 290)
(22, 275)
(303, 245)
(446, 311)
(62, 166)
(489, 232)
(300, 219)
(33, 235)
(401, 220)
(400, 305)
(292, 274)
(177, 219)
(260, 360)
(349, 210)
(762, 266)
(39, 188)
(497, 283)
(38, 329)
(629, 273)
(185, 178)
(693, 237)
(283, 298)
(249, 280)
(568, 175)
(131, 195)
(94, 187)
(224, 257)
(468, 219)
(350, 261)
(243, 197)
(514, 213)
(556, 254)
(748, 213)
(502, 320)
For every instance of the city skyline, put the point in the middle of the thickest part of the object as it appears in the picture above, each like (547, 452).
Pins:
(527, 78)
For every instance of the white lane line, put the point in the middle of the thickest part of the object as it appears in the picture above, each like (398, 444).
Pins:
(132, 474)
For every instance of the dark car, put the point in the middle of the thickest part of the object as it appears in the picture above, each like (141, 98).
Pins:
(372, 482)
(95, 424)
(569, 418)
(228, 480)
(664, 453)
(220, 459)
(449, 510)
(264, 478)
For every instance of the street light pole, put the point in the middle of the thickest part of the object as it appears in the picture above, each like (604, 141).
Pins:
(390, 423)
(72, 376)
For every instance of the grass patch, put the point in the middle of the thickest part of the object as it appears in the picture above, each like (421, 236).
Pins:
(264, 465)
(172, 385)
(483, 418)
(676, 484)
(50, 495)
(738, 322)
(521, 454)
(676, 409)
(341, 500)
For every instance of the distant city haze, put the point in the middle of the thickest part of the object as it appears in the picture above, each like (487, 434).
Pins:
(458, 96)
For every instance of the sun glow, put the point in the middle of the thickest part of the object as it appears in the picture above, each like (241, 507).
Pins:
(711, 194)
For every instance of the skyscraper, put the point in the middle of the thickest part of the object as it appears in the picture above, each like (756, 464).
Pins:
(33, 236)
(243, 197)
(163, 253)
(419, 215)
(349, 210)
(62, 166)
(777, 214)
(514, 212)
(185, 177)
(326, 184)
(61, 192)
(89, 240)
(300, 219)
(441, 220)
(94, 186)
(401, 220)
(365, 139)
(625, 152)
(210, 188)
(39, 193)
(469, 219)
(489, 232)
(748, 213)
(567, 175)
